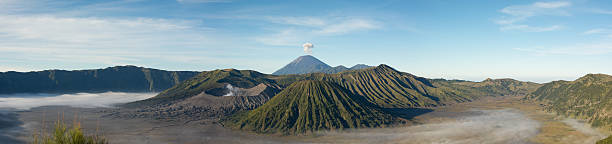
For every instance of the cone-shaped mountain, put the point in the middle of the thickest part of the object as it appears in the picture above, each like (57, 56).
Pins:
(303, 64)
(309, 64)
(311, 105)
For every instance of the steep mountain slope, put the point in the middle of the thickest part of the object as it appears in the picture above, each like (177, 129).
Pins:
(210, 94)
(303, 64)
(308, 106)
(310, 64)
(119, 78)
(586, 98)
(390, 88)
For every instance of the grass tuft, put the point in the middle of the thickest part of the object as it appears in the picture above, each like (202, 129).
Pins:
(62, 134)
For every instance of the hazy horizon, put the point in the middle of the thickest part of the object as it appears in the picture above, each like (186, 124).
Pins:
(534, 40)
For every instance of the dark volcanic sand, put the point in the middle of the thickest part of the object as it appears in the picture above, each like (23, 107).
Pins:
(9, 127)
(138, 130)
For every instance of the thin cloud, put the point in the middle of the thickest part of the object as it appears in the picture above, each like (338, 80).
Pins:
(300, 21)
(594, 31)
(350, 25)
(597, 31)
(577, 49)
(550, 5)
(286, 37)
(601, 11)
(96, 40)
(86, 30)
(202, 1)
(304, 28)
(527, 28)
(519, 13)
(538, 8)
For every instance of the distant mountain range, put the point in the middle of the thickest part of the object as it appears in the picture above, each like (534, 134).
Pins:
(119, 78)
(278, 102)
(308, 95)
(127, 78)
(497, 86)
(310, 64)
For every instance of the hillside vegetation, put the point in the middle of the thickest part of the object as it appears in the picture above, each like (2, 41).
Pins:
(607, 140)
(309, 105)
(586, 98)
(62, 134)
(499, 86)
(348, 99)
(390, 88)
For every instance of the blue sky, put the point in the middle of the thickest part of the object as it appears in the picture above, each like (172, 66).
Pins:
(535, 41)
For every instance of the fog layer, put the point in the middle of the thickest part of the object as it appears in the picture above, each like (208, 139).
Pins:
(85, 100)
(482, 126)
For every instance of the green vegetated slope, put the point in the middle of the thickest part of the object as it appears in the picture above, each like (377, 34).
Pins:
(311, 105)
(389, 88)
(498, 86)
(607, 140)
(586, 98)
(119, 78)
(382, 86)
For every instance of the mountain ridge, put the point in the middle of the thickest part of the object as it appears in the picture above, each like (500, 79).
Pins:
(310, 64)
(584, 98)
(118, 78)
(229, 92)
(390, 88)
(214, 93)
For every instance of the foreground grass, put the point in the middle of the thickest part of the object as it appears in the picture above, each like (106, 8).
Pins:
(605, 141)
(65, 135)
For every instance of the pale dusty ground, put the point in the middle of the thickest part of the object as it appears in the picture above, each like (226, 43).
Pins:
(553, 129)
(491, 120)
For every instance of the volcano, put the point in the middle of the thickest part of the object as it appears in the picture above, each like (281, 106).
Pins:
(310, 64)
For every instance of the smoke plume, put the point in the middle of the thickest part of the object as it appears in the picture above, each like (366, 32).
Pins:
(308, 47)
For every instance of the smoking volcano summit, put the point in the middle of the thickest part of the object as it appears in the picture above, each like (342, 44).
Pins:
(310, 64)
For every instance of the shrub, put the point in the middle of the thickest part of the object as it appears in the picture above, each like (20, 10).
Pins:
(64, 135)
(605, 141)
